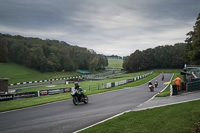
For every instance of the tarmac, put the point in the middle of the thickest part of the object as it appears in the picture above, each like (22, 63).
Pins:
(164, 101)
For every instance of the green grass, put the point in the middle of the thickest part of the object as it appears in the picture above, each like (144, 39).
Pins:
(34, 101)
(18, 73)
(179, 118)
(88, 84)
(115, 63)
(27, 102)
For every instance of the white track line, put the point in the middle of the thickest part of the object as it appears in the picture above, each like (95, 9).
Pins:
(122, 112)
(166, 104)
(156, 93)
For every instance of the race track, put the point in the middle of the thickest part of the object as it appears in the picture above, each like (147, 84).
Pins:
(64, 117)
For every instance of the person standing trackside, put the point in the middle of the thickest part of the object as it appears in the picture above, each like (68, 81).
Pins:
(178, 83)
(163, 77)
(156, 83)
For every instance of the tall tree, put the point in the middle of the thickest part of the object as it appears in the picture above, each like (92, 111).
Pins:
(133, 62)
(148, 57)
(193, 44)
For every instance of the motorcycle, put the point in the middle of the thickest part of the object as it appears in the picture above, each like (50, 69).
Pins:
(151, 87)
(78, 97)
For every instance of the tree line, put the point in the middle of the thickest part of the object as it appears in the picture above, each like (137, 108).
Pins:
(49, 55)
(168, 56)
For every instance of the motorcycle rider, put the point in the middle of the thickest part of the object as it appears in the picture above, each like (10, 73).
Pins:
(156, 83)
(163, 77)
(151, 86)
(78, 88)
(150, 83)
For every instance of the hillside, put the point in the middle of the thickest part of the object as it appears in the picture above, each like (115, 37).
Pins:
(49, 55)
(115, 63)
(18, 73)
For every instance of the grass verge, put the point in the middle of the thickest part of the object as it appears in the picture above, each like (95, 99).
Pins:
(179, 118)
(88, 84)
(18, 73)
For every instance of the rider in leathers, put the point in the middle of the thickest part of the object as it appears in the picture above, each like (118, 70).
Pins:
(77, 87)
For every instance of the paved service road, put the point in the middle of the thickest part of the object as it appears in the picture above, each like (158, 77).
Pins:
(64, 117)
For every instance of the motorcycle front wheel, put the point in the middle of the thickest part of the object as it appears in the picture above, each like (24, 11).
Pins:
(75, 100)
(86, 100)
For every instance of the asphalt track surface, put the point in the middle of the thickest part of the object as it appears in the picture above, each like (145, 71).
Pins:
(64, 117)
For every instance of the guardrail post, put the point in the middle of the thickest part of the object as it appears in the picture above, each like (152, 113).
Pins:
(38, 93)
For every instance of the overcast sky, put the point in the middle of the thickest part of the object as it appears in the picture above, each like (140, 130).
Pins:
(107, 26)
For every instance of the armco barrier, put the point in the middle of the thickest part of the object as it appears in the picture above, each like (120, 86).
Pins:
(192, 86)
(54, 91)
(50, 80)
(122, 82)
(25, 95)
(129, 80)
(63, 90)
(135, 79)
(6, 97)
(33, 94)
(113, 84)
(117, 83)
(108, 85)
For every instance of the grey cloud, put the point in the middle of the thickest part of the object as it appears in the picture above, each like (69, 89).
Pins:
(107, 26)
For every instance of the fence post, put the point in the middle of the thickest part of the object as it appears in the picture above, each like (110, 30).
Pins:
(38, 93)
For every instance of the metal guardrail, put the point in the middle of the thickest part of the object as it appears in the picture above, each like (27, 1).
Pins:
(41, 81)
(14, 96)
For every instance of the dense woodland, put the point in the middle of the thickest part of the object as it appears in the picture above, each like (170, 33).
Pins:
(167, 56)
(49, 55)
